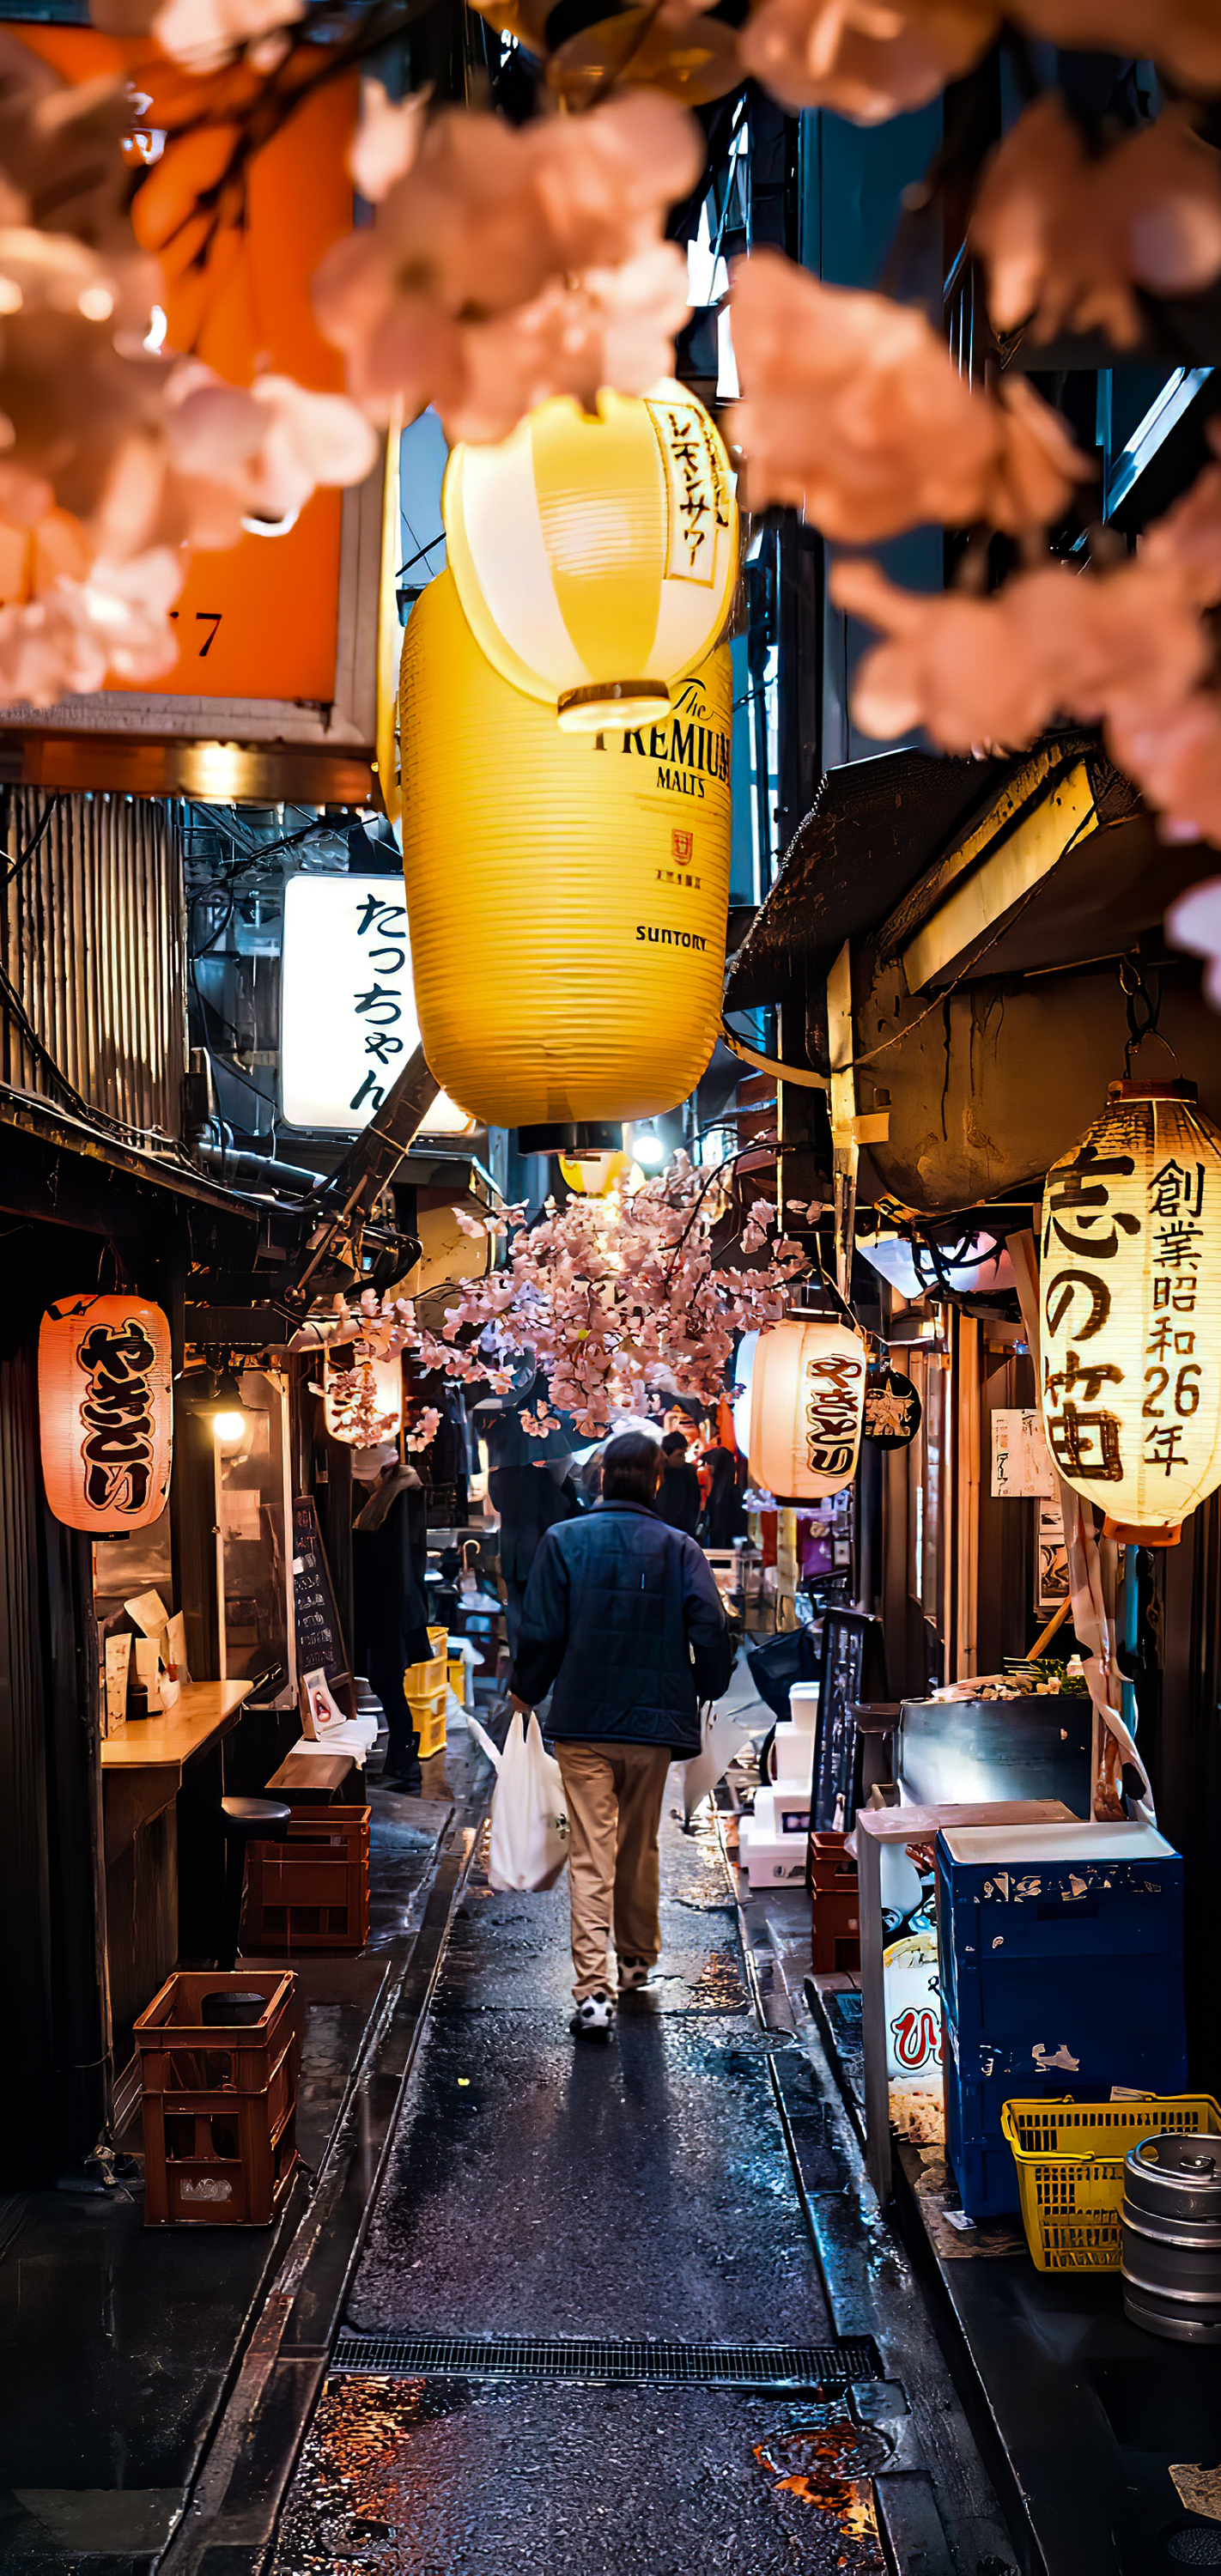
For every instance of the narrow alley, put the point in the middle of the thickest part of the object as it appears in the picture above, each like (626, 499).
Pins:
(642, 2202)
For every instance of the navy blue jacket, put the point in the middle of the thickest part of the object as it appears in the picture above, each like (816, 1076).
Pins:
(623, 1617)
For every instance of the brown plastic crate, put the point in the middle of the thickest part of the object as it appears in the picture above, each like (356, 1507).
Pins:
(835, 1940)
(181, 2053)
(216, 2161)
(311, 1891)
(219, 2103)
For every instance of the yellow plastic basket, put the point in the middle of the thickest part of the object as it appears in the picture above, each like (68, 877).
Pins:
(421, 1680)
(428, 1719)
(1070, 2157)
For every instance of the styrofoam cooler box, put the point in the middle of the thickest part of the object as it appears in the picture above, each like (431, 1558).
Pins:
(1061, 1965)
(772, 1842)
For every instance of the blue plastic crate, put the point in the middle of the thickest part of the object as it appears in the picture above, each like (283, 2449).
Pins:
(1061, 1972)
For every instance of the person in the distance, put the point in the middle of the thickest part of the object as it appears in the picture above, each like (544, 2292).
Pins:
(678, 1495)
(623, 1623)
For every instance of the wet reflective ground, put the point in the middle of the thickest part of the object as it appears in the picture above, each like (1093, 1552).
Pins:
(541, 2186)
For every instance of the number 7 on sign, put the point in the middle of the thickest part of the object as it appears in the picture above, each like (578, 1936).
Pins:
(208, 617)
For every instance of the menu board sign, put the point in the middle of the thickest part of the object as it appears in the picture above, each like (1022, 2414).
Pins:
(320, 1646)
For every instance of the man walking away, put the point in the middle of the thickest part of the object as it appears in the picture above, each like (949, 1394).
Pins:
(622, 1616)
(678, 1495)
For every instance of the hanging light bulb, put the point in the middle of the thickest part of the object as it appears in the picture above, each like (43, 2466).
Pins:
(807, 1399)
(1130, 1291)
(596, 553)
(647, 1147)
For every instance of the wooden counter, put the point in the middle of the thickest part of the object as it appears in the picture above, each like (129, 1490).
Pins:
(142, 1764)
(204, 1711)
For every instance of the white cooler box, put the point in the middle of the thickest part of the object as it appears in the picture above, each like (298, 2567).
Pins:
(772, 1842)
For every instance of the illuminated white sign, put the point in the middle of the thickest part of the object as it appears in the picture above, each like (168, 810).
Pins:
(347, 1008)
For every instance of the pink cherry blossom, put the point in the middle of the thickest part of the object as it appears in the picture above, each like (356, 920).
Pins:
(1175, 758)
(504, 266)
(1184, 35)
(867, 59)
(1066, 237)
(1050, 642)
(387, 139)
(1194, 922)
(202, 34)
(267, 446)
(854, 411)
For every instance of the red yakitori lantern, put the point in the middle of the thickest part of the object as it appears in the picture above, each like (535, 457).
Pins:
(105, 1412)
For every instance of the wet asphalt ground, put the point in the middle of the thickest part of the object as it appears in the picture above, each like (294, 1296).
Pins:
(541, 2186)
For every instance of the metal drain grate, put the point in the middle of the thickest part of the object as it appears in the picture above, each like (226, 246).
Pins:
(782, 2366)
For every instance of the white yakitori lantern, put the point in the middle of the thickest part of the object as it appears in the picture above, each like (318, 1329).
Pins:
(1130, 1293)
(105, 1412)
(596, 553)
(806, 1404)
(362, 1394)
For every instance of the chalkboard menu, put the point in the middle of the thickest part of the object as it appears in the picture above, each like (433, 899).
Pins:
(320, 1645)
(853, 1668)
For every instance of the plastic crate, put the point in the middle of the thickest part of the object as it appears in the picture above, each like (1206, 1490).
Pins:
(428, 1720)
(1060, 1953)
(180, 2052)
(219, 2103)
(1070, 2159)
(311, 1891)
(835, 1940)
(421, 1680)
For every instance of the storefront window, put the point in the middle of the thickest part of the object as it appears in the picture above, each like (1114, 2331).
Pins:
(253, 1517)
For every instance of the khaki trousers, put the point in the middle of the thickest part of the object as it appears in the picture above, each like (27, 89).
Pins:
(615, 1794)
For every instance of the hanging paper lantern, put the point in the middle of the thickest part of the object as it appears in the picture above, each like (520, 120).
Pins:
(1130, 1289)
(596, 553)
(362, 1395)
(892, 1409)
(807, 1395)
(105, 1412)
(567, 897)
(593, 1176)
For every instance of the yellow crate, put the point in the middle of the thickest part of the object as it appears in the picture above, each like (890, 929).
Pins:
(1070, 2158)
(421, 1680)
(457, 1680)
(428, 1721)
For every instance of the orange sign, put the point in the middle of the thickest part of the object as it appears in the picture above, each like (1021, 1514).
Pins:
(260, 621)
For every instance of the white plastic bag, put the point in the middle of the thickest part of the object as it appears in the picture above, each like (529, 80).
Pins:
(724, 1734)
(529, 1822)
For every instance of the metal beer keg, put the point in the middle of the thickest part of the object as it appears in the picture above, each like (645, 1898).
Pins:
(1170, 2255)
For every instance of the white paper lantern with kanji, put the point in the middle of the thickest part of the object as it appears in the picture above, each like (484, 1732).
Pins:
(105, 1412)
(806, 1404)
(1130, 1297)
(362, 1400)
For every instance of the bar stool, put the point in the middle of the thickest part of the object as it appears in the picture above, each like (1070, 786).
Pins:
(245, 1820)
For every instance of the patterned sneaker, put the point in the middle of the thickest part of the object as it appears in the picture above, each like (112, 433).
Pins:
(633, 1973)
(595, 2018)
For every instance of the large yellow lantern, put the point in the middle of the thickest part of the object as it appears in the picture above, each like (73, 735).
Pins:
(105, 1412)
(807, 1398)
(596, 553)
(567, 895)
(1130, 1292)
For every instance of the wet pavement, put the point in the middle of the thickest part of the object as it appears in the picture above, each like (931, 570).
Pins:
(540, 2186)
(117, 2342)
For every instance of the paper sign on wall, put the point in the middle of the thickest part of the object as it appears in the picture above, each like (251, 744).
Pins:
(1021, 1463)
(1051, 1573)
